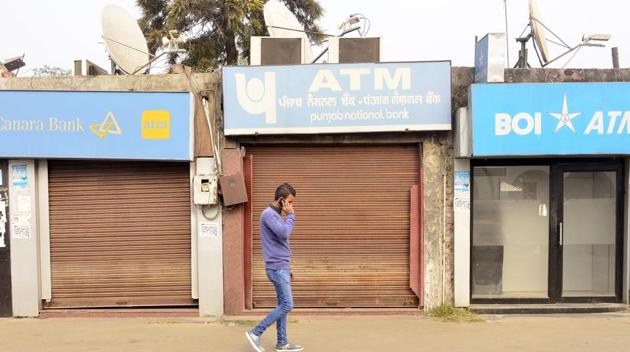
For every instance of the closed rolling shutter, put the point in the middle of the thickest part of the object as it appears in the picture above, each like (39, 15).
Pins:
(351, 239)
(119, 234)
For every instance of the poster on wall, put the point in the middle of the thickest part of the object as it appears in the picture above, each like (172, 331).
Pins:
(209, 230)
(461, 200)
(19, 177)
(21, 227)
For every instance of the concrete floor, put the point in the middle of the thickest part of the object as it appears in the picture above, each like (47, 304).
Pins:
(594, 332)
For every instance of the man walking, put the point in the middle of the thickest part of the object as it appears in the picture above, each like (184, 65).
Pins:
(274, 234)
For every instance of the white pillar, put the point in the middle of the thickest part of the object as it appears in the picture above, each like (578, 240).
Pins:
(24, 238)
(461, 205)
(209, 229)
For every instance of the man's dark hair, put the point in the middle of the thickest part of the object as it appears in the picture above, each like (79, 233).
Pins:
(284, 190)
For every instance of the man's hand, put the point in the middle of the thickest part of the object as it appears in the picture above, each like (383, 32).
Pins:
(288, 208)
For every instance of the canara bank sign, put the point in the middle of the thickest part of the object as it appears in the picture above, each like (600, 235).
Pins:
(107, 125)
(551, 119)
(337, 98)
(52, 124)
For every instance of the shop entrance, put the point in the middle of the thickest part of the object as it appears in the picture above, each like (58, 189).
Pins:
(547, 231)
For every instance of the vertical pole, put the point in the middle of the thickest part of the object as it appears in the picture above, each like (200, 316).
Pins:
(615, 57)
(507, 35)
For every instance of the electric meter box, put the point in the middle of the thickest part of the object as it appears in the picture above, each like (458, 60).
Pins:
(205, 189)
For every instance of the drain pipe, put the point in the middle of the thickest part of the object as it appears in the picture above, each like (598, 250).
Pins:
(443, 239)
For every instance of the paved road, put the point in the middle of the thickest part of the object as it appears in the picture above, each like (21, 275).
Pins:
(607, 332)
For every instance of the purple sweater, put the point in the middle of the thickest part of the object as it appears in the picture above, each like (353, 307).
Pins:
(274, 234)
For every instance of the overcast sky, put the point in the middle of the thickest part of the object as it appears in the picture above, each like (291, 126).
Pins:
(57, 32)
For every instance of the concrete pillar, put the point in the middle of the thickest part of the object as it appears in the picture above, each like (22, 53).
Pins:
(461, 209)
(24, 238)
(438, 213)
(209, 250)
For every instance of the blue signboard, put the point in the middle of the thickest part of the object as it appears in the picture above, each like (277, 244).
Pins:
(550, 119)
(481, 60)
(96, 125)
(334, 98)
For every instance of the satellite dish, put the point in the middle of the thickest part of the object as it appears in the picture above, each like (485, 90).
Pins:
(539, 31)
(125, 42)
(282, 23)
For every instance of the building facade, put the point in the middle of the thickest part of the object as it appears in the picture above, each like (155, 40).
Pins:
(540, 189)
(97, 194)
(366, 147)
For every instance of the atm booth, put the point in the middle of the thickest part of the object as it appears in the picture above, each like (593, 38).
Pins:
(540, 194)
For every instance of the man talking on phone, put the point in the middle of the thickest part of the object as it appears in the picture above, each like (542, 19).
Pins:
(274, 233)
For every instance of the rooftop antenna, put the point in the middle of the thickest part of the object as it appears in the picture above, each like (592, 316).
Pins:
(537, 31)
(349, 25)
(126, 44)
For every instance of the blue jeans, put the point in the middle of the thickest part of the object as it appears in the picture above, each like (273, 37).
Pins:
(281, 280)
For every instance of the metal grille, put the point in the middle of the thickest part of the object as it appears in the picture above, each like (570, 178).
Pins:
(120, 234)
(351, 239)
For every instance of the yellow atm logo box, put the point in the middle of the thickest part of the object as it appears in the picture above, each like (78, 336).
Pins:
(156, 124)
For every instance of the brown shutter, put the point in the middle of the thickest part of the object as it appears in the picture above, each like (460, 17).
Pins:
(120, 233)
(351, 239)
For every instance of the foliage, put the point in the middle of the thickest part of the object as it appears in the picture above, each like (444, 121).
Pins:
(217, 32)
(450, 313)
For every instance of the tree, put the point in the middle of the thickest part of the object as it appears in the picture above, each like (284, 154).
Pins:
(217, 32)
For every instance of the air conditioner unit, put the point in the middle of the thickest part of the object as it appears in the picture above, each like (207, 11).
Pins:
(279, 51)
(354, 50)
(88, 68)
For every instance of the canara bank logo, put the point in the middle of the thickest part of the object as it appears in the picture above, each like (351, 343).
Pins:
(108, 126)
(258, 96)
(156, 124)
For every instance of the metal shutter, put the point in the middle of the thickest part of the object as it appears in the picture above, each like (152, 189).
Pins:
(120, 234)
(351, 239)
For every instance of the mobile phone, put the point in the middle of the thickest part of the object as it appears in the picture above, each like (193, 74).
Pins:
(281, 203)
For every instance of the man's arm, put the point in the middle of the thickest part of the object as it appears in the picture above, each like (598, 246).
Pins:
(281, 228)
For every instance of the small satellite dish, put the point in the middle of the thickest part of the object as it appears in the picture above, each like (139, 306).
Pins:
(281, 23)
(539, 31)
(125, 42)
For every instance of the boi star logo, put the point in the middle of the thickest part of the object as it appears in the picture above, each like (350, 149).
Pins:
(156, 124)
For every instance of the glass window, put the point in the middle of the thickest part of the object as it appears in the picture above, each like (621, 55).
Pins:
(510, 252)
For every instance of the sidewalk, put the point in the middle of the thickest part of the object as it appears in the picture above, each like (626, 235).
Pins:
(602, 332)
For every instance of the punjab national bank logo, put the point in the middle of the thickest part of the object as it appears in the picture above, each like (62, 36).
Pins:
(257, 96)
(108, 126)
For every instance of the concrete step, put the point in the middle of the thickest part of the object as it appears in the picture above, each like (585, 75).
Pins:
(121, 313)
(557, 308)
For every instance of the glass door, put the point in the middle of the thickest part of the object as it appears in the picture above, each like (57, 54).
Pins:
(588, 233)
